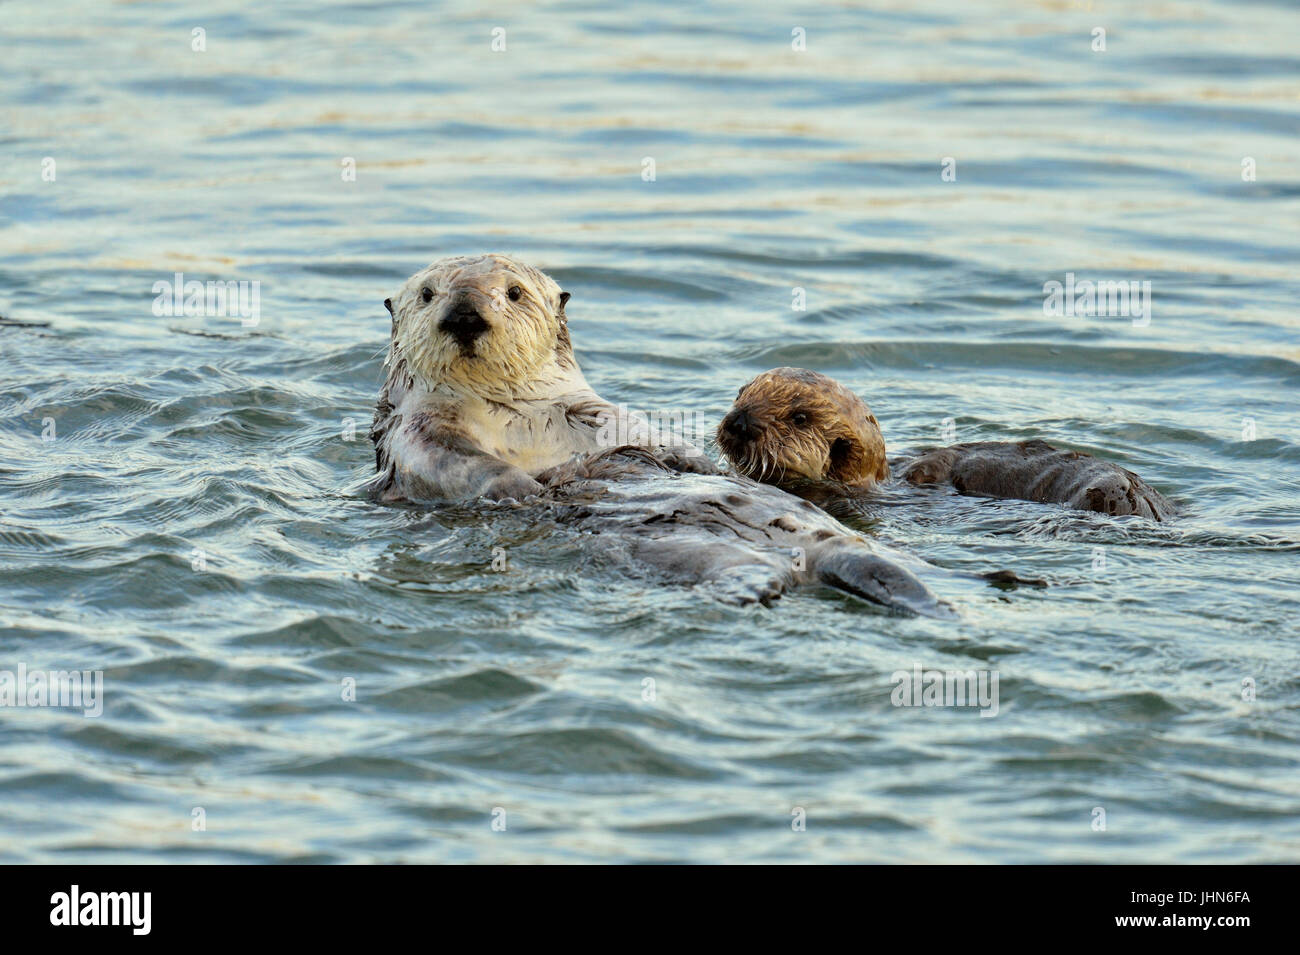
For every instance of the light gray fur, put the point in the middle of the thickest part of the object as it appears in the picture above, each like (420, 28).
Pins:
(742, 540)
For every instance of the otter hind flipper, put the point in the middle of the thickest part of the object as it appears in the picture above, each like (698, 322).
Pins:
(1120, 491)
(850, 567)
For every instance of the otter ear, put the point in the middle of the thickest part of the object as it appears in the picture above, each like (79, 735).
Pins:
(388, 304)
(564, 299)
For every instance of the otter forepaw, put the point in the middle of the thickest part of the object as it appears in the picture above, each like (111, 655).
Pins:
(515, 485)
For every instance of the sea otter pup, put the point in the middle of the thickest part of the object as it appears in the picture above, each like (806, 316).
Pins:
(797, 428)
(485, 399)
(806, 432)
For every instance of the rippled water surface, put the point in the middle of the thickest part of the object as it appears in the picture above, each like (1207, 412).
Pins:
(177, 494)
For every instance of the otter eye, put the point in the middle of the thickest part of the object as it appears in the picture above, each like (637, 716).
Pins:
(798, 419)
(515, 292)
(426, 293)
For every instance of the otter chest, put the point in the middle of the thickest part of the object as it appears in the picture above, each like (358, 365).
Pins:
(534, 437)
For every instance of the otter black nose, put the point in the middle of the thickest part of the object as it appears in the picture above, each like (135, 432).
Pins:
(463, 323)
(740, 425)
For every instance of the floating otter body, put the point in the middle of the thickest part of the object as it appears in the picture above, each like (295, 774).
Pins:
(806, 432)
(485, 399)
(1036, 471)
(744, 541)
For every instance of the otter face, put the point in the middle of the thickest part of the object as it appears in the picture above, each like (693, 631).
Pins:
(480, 323)
(790, 425)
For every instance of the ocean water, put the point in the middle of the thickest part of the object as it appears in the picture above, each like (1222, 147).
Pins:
(178, 504)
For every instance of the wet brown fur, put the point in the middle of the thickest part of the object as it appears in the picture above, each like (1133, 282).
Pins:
(839, 441)
(1036, 471)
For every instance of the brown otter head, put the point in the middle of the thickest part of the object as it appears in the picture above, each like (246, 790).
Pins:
(790, 426)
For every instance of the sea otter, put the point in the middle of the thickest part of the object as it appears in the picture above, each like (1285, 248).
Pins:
(483, 391)
(485, 399)
(805, 432)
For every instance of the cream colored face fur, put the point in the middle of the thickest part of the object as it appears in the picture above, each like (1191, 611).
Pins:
(483, 391)
(524, 349)
(481, 379)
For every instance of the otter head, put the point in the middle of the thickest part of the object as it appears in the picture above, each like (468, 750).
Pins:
(790, 426)
(486, 324)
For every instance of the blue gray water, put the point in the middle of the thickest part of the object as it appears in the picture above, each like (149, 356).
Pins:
(177, 502)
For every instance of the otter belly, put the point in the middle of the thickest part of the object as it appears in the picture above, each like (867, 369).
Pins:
(744, 541)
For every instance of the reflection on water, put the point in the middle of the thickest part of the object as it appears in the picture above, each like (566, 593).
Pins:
(175, 490)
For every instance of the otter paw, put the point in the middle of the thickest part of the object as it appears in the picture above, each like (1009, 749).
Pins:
(513, 485)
